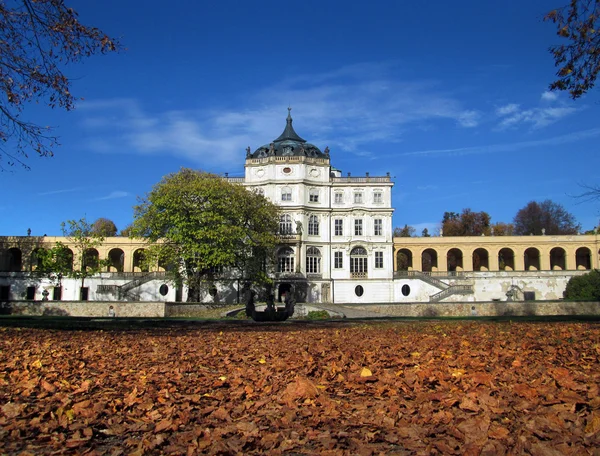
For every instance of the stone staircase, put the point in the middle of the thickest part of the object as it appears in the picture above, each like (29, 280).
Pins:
(122, 291)
(445, 289)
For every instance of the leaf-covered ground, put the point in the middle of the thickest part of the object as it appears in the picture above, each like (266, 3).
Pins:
(356, 389)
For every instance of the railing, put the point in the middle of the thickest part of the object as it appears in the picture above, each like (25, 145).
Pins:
(443, 274)
(236, 180)
(455, 289)
(362, 179)
(359, 275)
(147, 277)
(108, 289)
(288, 159)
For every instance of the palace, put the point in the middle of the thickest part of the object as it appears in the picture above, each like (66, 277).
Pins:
(336, 245)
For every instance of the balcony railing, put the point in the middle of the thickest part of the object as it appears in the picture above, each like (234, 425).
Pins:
(359, 275)
(362, 179)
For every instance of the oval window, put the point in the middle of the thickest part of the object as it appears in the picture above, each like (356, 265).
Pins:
(287, 170)
(405, 290)
(359, 290)
(163, 290)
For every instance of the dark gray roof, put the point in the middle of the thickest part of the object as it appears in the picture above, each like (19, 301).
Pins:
(288, 144)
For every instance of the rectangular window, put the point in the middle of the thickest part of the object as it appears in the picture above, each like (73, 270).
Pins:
(286, 197)
(30, 293)
(57, 294)
(339, 198)
(313, 197)
(377, 227)
(358, 197)
(4, 292)
(83, 293)
(378, 260)
(377, 197)
(338, 227)
(338, 262)
(358, 225)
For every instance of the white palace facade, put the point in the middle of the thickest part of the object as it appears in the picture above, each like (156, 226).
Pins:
(336, 246)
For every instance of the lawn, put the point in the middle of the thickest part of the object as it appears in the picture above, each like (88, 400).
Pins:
(355, 388)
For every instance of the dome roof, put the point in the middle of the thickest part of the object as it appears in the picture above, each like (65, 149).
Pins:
(288, 144)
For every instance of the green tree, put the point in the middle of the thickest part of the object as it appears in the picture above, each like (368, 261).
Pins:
(584, 287)
(467, 223)
(407, 231)
(503, 229)
(55, 263)
(126, 232)
(546, 217)
(82, 237)
(578, 61)
(104, 227)
(425, 233)
(37, 39)
(200, 224)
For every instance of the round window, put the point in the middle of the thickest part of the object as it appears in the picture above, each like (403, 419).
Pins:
(405, 290)
(163, 290)
(287, 170)
(359, 290)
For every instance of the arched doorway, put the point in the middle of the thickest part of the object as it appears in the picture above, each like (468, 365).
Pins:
(557, 259)
(583, 258)
(429, 260)
(532, 259)
(404, 260)
(481, 260)
(506, 259)
(284, 288)
(455, 260)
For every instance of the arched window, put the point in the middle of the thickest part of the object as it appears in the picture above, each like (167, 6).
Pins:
(358, 262)
(285, 224)
(313, 260)
(285, 260)
(313, 225)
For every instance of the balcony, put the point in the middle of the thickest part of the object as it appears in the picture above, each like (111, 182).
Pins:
(359, 275)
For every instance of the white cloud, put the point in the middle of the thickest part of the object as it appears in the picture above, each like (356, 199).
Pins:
(511, 147)
(113, 195)
(507, 109)
(549, 96)
(347, 109)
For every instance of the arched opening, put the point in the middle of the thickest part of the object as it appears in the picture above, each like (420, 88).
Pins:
(283, 289)
(404, 260)
(358, 263)
(36, 259)
(116, 257)
(15, 260)
(139, 261)
(481, 260)
(532, 259)
(313, 260)
(583, 258)
(429, 260)
(285, 260)
(90, 259)
(506, 259)
(557, 259)
(455, 260)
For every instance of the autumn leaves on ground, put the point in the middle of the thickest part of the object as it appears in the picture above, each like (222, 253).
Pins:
(322, 388)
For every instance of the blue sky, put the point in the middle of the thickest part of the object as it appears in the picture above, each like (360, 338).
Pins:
(449, 97)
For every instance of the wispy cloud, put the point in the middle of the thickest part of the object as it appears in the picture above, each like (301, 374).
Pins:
(551, 110)
(511, 147)
(113, 195)
(347, 109)
(57, 192)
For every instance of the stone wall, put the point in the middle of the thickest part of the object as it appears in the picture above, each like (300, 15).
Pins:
(484, 309)
(85, 308)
